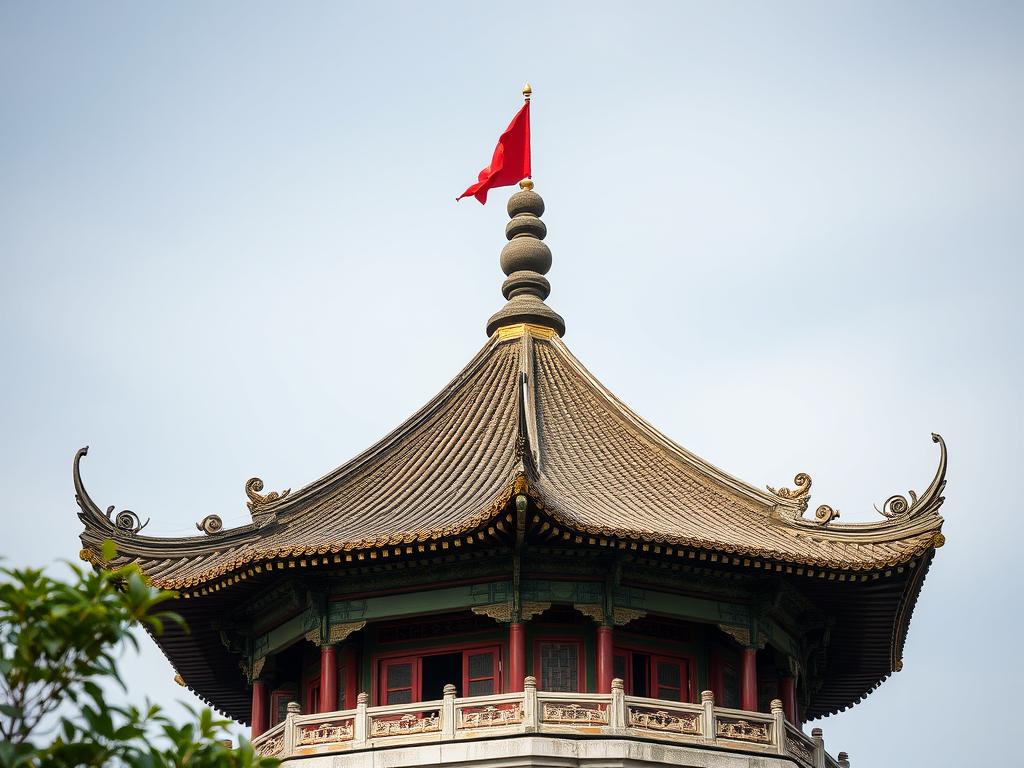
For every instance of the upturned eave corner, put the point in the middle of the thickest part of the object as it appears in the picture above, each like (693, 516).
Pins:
(124, 527)
(903, 517)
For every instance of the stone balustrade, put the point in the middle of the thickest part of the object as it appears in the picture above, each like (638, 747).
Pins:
(453, 719)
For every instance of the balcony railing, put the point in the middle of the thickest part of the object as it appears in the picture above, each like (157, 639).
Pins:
(540, 712)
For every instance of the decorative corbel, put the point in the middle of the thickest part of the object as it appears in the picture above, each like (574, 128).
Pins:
(744, 636)
(622, 616)
(338, 633)
(594, 610)
(531, 608)
(501, 612)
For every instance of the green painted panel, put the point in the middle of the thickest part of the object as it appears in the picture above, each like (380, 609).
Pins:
(414, 603)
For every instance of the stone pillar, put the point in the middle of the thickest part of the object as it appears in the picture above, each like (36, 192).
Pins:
(260, 709)
(448, 713)
(605, 660)
(618, 713)
(516, 656)
(362, 724)
(531, 717)
(787, 692)
(779, 726)
(290, 735)
(328, 678)
(707, 701)
(819, 747)
(748, 680)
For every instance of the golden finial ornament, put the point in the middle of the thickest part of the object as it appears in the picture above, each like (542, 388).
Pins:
(526, 184)
(527, 91)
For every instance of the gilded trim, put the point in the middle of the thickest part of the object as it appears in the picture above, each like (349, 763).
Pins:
(517, 330)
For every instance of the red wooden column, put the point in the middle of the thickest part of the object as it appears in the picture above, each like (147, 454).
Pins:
(259, 707)
(516, 657)
(328, 678)
(787, 691)
(748, 680)
(605, 660)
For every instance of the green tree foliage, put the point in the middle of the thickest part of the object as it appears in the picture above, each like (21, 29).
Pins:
(59, 643)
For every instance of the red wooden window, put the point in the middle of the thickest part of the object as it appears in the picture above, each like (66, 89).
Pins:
(400, 680)
(657, 677)
(670, 679)
(473, 672)
(312, 696)
(279, 699)
(559, 663)
(480, 673)
(342, 683)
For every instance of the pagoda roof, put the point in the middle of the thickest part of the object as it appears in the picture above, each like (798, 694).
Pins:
(526, 417)
(524, 410)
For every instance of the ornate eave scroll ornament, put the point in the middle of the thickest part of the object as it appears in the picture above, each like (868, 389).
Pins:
(897, 507)
(825, 514)
(124, 522)
(800, 493)
(210, 525)
(258, 500)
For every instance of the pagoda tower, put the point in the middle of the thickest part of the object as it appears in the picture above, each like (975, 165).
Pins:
(527, 573)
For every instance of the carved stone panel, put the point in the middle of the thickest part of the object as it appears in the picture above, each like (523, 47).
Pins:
(744, 730)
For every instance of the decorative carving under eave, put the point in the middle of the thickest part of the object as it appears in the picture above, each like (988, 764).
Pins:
(498, 611)
(897, 506)
(338, 633)
(742, 636)
(593, 610)
(528, 609)
(210, 525)
(801, 493)
(621, 616)
(258, 500)
(257, 667)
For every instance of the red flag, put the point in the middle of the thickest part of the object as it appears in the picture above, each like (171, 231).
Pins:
(511, 161)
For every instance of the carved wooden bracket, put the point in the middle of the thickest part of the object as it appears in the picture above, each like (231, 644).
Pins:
(621, 616)
(527, 610)
(593, 610)
(742, 636)
(337, 633)
(498, 611)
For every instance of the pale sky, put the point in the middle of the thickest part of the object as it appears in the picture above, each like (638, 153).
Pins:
(789, 235)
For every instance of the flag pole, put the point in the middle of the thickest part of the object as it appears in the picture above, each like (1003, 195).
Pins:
(527, 93)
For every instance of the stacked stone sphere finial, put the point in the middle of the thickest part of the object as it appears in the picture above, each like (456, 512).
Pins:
(525, 260)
